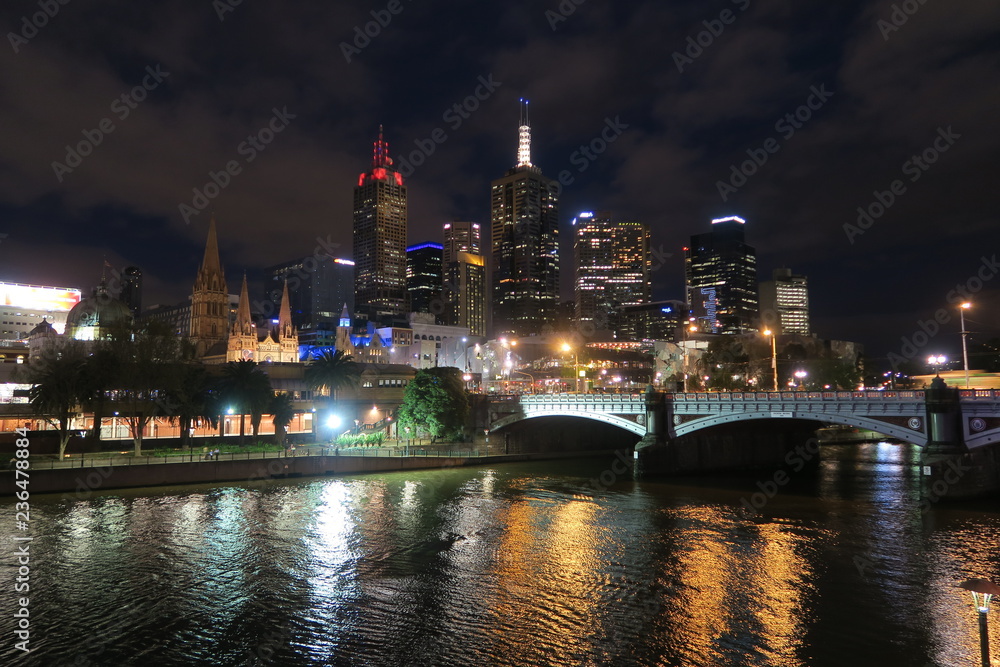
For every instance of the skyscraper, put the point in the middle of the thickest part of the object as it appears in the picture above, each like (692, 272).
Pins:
(524, 216)
(784, 303)
(721, 275)
(465, 293)
(380, 238)
(131, 292)
(318, 286)
(461, 237)
(612, 265)
(424, 278)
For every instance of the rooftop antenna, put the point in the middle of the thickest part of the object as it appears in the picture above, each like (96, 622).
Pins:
(524, 137)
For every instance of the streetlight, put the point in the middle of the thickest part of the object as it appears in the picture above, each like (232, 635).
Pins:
(801, 375)
(936, 360)
(774, 355)
(965, 334)
(576, 364)
(982, 591)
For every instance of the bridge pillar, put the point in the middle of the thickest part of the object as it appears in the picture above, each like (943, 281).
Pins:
(656, 430)
(944, 414)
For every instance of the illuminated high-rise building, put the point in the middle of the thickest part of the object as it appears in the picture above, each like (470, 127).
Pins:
(380, 238)
(424, 278)
(784, 303)
(465, 293)
(131, 291)
(461, 237)
(720, 270)
(524, 216)
(612, 266)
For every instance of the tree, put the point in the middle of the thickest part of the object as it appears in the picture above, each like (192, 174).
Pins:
(145, 353)
(282, 415)
(435, 402)
(59, 385)
(331, 371)
(190, 395)
(247, 388)
(100, 372)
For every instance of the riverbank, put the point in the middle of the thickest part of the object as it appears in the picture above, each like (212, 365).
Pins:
(83, 482)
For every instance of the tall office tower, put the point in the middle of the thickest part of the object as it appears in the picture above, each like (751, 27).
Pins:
(210, 298)
(131, 292)
(380, 238)
(318, 288)
(424, 278)
(720, 270)
(465, 293)
(461, 237)
(612, 265)
(784, 303)
(524, 216)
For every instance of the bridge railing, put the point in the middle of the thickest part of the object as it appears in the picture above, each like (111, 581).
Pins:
(797, 396)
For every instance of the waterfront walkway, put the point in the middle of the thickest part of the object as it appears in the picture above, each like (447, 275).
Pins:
(111, 459)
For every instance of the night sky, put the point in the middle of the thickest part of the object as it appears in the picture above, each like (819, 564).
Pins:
(886, 82)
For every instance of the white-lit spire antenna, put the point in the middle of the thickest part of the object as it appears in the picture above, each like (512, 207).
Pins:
(524, 137)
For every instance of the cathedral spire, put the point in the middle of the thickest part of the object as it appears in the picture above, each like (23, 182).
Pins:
(285, 327)
(243, 326)
(210, 262)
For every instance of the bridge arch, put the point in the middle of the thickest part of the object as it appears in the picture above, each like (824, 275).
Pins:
(914, 436)
(607, 418)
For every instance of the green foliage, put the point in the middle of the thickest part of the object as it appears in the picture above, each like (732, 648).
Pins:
(330, 371)
(435, 403)
(59, 386)
(361, 440)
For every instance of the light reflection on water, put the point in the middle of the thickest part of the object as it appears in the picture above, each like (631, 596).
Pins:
(513, 565)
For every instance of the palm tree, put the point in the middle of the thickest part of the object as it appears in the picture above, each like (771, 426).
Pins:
(190, 396)
(59, 385)
(282, 415)
(247, 387)
(331, 371)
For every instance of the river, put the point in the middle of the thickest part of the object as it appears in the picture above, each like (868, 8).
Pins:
(546, 563)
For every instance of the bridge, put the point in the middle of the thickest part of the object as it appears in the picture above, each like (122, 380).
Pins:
(911, 416)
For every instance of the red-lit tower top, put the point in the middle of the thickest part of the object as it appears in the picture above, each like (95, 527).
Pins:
(381, 164)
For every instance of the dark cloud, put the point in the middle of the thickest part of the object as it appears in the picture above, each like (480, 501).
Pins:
(893, 90)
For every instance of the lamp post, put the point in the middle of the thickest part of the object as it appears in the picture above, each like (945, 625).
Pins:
(965, 334)
(801, 375)
(576, 364)
(982, 592)
(936, 361)
(774, 356)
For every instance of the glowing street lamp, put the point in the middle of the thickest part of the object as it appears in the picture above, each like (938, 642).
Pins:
(965, 334)
(774, 356)
(801, 375)
(937, 360)
(566, 347)
(982, 592)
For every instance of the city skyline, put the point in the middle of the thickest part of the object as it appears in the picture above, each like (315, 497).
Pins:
(792, 118)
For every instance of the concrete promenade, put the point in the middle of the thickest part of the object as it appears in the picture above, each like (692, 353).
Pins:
(82, 477)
